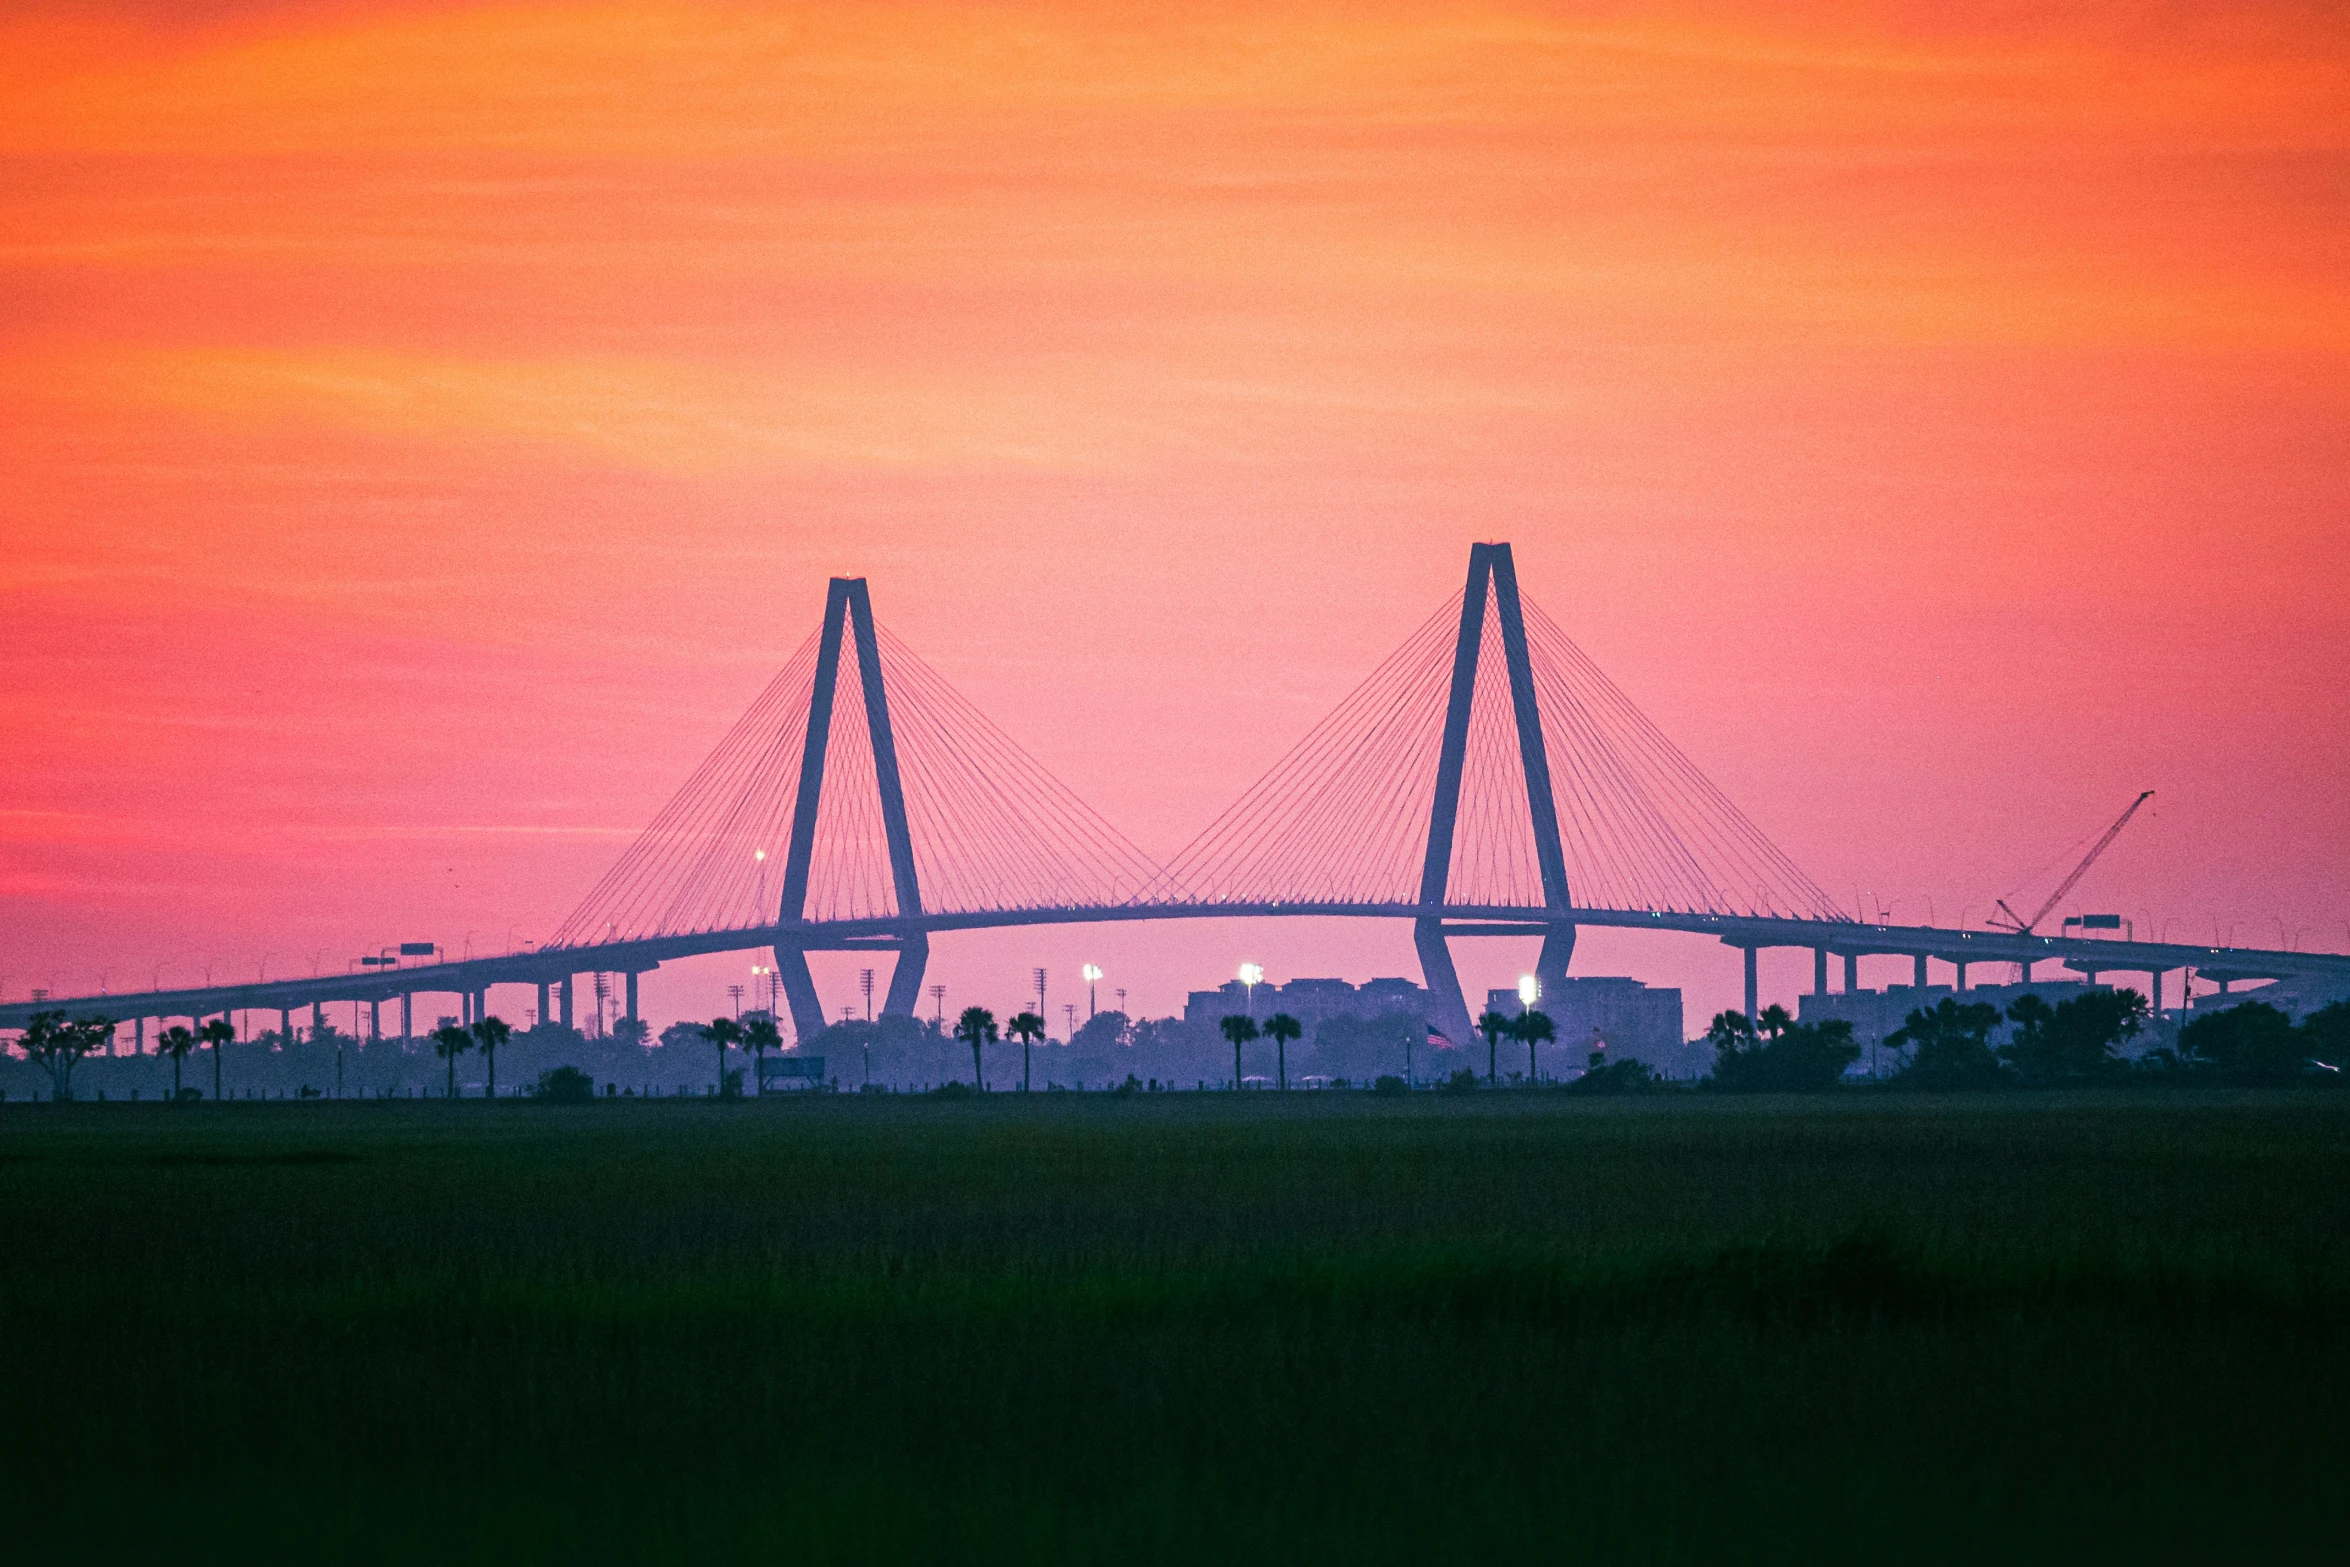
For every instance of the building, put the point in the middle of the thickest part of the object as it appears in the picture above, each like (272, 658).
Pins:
(1623, 1016)
(1310, 1001)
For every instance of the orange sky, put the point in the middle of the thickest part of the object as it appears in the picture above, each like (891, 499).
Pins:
(425, 427)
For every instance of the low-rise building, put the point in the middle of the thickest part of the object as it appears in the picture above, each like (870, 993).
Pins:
(1609, 1012)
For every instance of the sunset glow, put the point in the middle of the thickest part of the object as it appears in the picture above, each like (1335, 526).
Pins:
(426, 427)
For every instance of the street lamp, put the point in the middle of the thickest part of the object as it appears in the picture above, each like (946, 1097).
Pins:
(1093, 976)
(1252, 975)
(1529, 991)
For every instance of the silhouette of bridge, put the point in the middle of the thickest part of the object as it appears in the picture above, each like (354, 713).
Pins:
(1486, 779)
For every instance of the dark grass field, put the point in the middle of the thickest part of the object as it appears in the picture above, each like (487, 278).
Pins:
(1184, 1327)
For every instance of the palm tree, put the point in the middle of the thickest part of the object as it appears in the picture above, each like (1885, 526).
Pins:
(1027, 1028)
(216, 1033)
(1240, 1029)
(175, 1042)
(1492, 1025)
(722, 1031)
(1535, 1028)
(490, 1033)
(760, 1035)
(976, 1027)
(1281, 1028)
(449, 1041)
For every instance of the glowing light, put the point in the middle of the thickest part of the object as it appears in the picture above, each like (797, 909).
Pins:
(1529, 989)
(1252, 974)
(1092, 973)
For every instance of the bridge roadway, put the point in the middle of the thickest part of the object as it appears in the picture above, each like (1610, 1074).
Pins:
(554, 967)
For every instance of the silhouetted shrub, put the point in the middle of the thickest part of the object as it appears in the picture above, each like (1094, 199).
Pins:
(1391, 1086)
(564, 1085)
(1463, 1081)
(1777, 1055)
(2253, 1044)
(1626, 1076)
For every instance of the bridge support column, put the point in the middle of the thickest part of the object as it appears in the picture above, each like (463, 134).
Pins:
(1918, 972)
(546, 993)
(799, 993)
(375, 1019)
(407, 1014)
(1550, 964)
(905, 981)
(1851, 972)
(632, 995)
(1753, 986)
(1960, 965)
(2023, 972)
(563, 1000)
(317, 1018)
(2154, 991)
(1445, 1001)
(1819, 971)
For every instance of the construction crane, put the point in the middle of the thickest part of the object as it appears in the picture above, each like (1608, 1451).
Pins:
(2023, 927)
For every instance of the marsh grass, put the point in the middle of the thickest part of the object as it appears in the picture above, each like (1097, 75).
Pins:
(1157, 1328)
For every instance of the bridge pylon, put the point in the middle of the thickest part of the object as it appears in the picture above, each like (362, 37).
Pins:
(848, 609)
(1491, 570)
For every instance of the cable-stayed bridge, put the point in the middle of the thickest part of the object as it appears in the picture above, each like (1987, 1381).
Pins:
(1486, 779)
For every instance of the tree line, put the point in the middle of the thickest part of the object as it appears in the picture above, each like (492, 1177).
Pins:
(1949, 1046)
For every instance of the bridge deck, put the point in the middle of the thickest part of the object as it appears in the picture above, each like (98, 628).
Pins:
(551, 965)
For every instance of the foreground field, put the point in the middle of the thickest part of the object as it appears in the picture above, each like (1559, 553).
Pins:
(1331, 1327)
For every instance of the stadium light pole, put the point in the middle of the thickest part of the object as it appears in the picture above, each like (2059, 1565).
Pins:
(1251, 976)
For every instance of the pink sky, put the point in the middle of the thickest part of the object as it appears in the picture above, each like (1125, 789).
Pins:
(426, 427)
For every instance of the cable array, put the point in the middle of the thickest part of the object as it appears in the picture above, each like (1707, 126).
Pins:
(698, 866)
(990, 828)
(1344, 816)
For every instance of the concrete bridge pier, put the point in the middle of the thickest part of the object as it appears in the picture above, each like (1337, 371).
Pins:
(1753, 985)
(1918, 972)
(632, 995)
(563, 1001)
(1819, 971)
(407, 1015)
